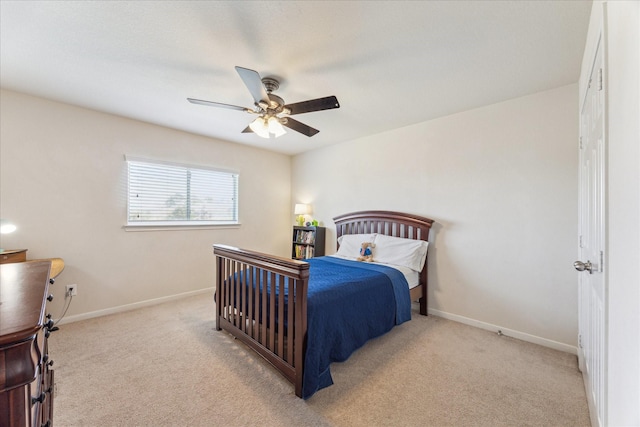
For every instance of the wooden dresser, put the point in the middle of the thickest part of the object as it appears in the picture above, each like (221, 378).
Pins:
(26, 374)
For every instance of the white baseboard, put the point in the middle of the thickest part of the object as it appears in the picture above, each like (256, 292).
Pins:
(133, 306)
(505, 331)
(461, 319)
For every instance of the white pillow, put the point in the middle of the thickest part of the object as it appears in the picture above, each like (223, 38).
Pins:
(399, 251)
(350, 244)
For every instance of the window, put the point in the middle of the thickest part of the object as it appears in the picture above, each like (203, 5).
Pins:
(167, 194)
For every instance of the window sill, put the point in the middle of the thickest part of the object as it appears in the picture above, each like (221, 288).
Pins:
(173, 227)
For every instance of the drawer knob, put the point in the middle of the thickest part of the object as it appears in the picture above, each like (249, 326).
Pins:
(48, 331)
(38, 399)
(50, 297)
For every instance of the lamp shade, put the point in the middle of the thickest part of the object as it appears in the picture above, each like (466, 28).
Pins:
(259, 127)
(264, 127)
(301, 209)
(275, 127)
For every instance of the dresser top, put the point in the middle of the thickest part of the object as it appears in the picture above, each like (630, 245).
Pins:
(11, 251)
(23, 291)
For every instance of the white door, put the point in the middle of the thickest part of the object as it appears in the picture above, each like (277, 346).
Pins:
(592, 285)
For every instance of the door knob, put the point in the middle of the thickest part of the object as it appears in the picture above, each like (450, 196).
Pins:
(582, 266)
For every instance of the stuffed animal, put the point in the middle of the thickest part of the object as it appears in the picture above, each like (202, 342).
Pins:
(366, 254)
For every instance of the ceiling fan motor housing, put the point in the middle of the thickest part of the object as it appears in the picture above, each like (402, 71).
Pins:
(270, 84)
(276, 101)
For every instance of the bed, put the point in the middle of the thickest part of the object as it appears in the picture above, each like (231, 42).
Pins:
(301, 316)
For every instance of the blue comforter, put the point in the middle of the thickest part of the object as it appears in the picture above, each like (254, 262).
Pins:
(348, 303)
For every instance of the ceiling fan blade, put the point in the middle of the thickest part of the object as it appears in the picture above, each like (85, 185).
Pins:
(247, 130)
(216, 104)
(299, 127)
(319, 104)
(253, 82)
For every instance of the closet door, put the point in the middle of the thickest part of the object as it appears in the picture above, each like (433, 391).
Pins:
(592, 292)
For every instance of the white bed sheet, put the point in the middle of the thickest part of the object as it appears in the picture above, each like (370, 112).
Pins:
(412, 276)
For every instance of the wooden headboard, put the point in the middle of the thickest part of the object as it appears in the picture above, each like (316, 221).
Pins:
(389, 223)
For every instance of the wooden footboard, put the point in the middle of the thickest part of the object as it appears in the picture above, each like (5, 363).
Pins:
(270, 318)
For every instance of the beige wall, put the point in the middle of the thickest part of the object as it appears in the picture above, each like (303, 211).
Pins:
(500, 182)
(63, 182)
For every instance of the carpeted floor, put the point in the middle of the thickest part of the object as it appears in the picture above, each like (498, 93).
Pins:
(167, 366)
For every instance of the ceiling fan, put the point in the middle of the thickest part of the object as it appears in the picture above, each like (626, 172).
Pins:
(271, 110)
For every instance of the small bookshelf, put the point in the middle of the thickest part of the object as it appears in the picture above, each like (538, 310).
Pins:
(308, 242)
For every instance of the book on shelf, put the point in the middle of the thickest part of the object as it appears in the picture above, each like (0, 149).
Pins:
(307, 237)
(304, 252)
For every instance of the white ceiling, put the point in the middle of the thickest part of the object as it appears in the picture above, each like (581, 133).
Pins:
(391, 64)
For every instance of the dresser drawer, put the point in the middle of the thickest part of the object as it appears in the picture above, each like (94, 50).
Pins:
(20, 362)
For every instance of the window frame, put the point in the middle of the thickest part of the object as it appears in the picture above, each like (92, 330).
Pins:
(179, 224)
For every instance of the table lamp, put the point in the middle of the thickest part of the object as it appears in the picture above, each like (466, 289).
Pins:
(301, 210)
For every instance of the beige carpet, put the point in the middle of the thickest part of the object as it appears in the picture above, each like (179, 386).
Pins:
(167, 366)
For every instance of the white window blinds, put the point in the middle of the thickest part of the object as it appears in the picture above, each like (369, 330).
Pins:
(172, 194)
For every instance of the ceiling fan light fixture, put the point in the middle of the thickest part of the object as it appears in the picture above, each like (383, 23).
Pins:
(259, 127)
(275, 127)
